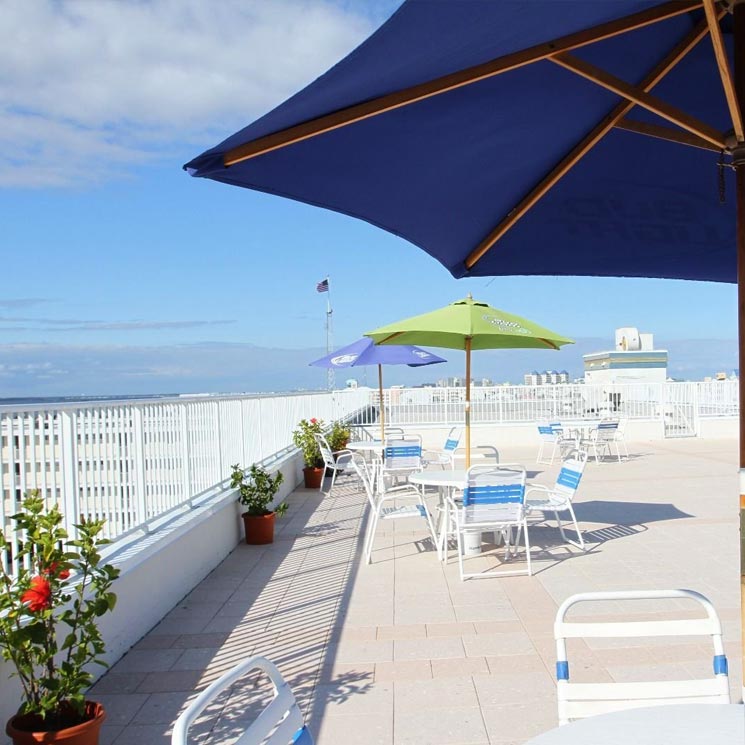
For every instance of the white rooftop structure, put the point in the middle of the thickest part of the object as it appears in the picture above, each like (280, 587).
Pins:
(632, 360)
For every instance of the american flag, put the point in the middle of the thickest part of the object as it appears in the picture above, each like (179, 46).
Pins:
(323, 285)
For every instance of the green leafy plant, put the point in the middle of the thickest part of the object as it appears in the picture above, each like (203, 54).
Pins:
(304, 438)
(257, 489)
(49, 611)
(339, 436)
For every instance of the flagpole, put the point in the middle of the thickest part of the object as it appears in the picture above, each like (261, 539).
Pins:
(329, 312)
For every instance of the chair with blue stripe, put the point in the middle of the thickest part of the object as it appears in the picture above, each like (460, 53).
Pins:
(603, 439)
(445, 457)
(558, 498)
(388, 502)
(579, 700)
(279, 723)
(493, 500)
(552, 438)
(402, 456)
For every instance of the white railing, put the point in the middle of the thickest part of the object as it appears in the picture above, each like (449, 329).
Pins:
(522, 404)
(131, 462)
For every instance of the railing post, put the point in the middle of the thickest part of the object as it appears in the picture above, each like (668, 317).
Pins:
(218, 440)
(70, 485)
(186, 488)
(139, 458)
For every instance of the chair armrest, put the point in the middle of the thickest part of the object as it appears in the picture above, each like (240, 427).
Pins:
(538, 488)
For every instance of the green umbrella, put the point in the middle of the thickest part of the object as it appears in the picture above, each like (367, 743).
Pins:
(468, 324)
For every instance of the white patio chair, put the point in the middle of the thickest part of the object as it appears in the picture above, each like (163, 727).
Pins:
(553, 440)
(602, 440)
(382, 499)
(558, 498)
(280, 723)
(620, 438)
(336, 462)
(578, 700)
(401, 457)
(493, 500)
(445, 456)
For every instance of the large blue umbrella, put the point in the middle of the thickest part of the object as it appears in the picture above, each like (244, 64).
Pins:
(529, 137)
(366, 352)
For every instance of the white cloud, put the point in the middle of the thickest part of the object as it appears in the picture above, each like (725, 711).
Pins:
(88, 89)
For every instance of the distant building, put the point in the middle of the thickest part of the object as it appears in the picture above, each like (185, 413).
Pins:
(633, 360)
(547, 377)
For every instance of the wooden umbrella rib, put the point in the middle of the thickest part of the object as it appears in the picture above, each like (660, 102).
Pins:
(640, 97)
(415, 93)
(666, 133)
(728, 83)
(587, 143)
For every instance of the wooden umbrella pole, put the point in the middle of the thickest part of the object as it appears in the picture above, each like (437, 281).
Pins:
(738, 157)
(382, 404)
(468, 402)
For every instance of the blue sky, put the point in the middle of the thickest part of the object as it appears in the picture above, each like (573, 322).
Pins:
(117, 264)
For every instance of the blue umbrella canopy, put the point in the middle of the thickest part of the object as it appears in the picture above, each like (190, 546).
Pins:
(366, 352)
(448, 170)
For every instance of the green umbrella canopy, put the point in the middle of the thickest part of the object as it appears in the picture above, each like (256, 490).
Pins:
(468, 324)
(486, 327)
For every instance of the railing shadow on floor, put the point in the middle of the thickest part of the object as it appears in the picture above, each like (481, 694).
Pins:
(286, 602)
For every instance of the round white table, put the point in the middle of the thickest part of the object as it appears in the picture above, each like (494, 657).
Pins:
(677, 724)
(370, 446)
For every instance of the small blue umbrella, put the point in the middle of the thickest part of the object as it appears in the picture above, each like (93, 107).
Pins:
(366, 352)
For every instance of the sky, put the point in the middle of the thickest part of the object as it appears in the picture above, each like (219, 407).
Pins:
(123, 275)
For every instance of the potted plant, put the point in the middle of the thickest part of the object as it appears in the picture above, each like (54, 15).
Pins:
(256, 490)
(339, 436)
(48, 624)
(304, 438)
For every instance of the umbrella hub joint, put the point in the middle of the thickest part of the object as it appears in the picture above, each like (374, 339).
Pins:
(738, 155)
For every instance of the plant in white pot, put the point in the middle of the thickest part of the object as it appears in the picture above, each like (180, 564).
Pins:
(48, 623)
(256, 491)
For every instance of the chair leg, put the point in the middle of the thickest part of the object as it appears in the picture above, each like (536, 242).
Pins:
(581, 543)
(527, 547)
(460, 552)
(373, 528)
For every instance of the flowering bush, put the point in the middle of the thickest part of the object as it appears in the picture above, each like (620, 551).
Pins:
(304, 438)
(339, 436)
(59, 592)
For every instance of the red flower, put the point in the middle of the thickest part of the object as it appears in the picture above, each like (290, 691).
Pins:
(314, 421)
(39, 595)
(53, 570)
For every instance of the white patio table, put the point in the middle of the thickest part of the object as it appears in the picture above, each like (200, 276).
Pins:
(681, 724)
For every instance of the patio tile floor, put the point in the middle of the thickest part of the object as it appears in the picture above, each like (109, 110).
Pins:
(401, 651)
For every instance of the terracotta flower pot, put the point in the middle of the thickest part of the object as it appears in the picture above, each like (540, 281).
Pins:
(27, 729)
(313, 477)
(259, 528)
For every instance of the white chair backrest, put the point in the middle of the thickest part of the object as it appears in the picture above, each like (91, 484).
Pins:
(493, 494)
(453, 439)
(606, 430)
(567, 482)
(578, 700)
(549, 431)
(325, 448)
(281, 718)
(402, 454)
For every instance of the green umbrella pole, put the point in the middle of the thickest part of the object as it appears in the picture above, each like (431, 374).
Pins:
(468, 402)
(382, 403)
